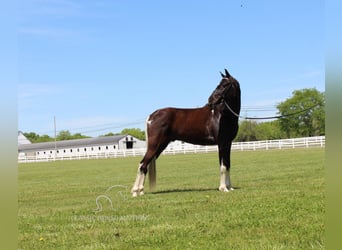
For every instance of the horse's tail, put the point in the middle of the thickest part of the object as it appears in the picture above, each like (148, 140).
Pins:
(152, 174)
(152, 164)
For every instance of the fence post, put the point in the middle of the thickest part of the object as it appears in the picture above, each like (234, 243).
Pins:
(321, 141)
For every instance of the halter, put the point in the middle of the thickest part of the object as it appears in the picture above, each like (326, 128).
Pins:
(222, 95)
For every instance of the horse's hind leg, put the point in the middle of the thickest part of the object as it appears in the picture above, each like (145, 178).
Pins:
(138, 187)
(149, 158)
(156, 141)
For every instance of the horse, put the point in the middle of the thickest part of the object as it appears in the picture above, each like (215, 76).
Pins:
(216, 123)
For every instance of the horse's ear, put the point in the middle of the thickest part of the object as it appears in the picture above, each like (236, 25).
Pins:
(227, 73)
(222, 75)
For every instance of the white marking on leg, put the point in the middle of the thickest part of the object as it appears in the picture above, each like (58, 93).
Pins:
(223, 171)
(141, 183)
(228, 182)
(138, 187)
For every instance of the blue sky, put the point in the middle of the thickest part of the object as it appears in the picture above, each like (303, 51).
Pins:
(101, 66)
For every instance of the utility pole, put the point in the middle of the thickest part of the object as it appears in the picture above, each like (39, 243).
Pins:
(54, 122)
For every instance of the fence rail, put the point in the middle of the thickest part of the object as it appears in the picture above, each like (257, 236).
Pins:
(307, 142)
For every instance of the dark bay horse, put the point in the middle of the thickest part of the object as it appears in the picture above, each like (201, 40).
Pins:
(212, 124)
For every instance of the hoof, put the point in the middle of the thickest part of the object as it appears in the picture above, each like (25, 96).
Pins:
(135, 193)
(223, 189)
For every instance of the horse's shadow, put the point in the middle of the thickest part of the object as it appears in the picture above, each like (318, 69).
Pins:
(187, 190)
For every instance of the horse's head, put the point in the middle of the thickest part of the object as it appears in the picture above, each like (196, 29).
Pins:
(227, 91)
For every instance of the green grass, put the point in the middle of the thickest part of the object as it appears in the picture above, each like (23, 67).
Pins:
(278, 203)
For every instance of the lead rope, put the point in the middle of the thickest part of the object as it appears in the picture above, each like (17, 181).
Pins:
(268, 117)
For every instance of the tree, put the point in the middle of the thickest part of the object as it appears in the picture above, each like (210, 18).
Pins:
(79, 136)
(44, 138)
(254, 131)
(307, 123)
(269, 131)
(109, 134)
(247, 131)
(64, 135)
(136, 132)
(34, 138)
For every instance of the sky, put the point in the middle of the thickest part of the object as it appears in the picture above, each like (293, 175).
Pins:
(102, 66)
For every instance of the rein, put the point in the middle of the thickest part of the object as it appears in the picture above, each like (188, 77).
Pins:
(268, 117)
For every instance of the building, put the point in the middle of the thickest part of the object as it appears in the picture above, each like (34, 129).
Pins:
(22, 140)
(101, 146)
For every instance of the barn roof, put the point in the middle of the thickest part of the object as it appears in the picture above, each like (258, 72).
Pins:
(96, 141)
(22, 138)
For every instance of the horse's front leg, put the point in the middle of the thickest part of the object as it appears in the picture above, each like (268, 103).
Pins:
(225, 183)
(224, 156)
(228, 181)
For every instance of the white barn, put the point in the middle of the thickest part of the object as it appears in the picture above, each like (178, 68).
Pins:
(22, 139)
(78, 148)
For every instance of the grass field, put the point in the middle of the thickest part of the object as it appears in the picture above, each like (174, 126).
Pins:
(278, 203)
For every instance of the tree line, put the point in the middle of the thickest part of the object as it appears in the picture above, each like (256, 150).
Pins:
(66, 135)
(309, 120)
(308, 107)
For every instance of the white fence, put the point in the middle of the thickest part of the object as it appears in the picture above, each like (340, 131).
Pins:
(307, 142)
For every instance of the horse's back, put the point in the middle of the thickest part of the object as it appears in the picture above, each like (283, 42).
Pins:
(181, 116)
(195, 125)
